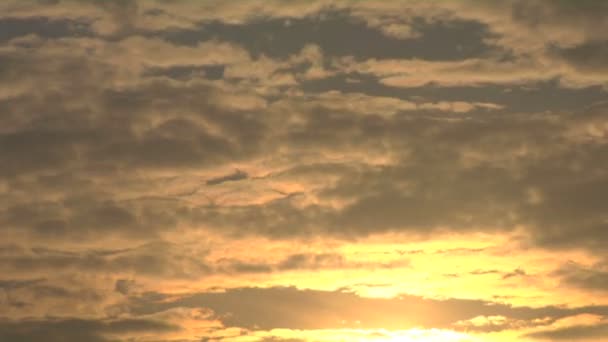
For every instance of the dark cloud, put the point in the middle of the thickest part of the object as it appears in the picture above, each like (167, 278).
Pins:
(531, 97)
(84, 217)
(161, 125)
(123, 13)
(441, 190)
(235, 176)
(524, 162)
(536, 14)
(237, 266)
(338, 33)
(573, 333)
(15, 284)
(308, 309)
(307, 261)
(49, 136)
(11, 28)
(154, 259)
(590, 278)
(124, 286)
(516, 273)
(157, 260)
(295, 262)
(588, 57)
(185, 72)
(76, 330)
(112, 152)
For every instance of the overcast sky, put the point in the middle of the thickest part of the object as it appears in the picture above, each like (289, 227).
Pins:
(189, 171)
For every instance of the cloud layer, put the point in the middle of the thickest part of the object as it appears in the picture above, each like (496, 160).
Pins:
(176, 171)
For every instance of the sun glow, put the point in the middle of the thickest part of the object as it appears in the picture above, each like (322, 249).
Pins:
(375, 335)
(424, 335)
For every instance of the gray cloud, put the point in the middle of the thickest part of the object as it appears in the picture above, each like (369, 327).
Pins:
(516, 273)
(287, 307)
(590, 278)
(15, 284)
(122, 122)
(43, 27)
(516, 154)
(235, 176)
(307, 261)
(574, 333)
(75, 330)
(124, 286)
(521, 157)
(156, 259)
(185, 72)
(297, 262)
(531, 97)
(588, 57)
(334, 32)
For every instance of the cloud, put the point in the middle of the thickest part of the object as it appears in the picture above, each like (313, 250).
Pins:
(236, 176)
(515, 273)
(124, 286)
(290, 308)
(42, 27)
(282, 37)
(303, 261)
(78, 329)
(587, 57)
(156, 259)
(494, 163)
(153, 152)
(591, 278)
(574, 333)
(15, 284)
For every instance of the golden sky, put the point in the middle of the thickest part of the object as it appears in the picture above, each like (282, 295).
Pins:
(332, 170)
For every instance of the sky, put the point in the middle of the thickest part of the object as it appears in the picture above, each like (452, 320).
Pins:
(303, 171)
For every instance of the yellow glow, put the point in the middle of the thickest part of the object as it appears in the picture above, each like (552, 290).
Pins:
(370, 335)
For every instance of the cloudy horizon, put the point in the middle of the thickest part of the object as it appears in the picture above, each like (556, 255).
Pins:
(328, 170)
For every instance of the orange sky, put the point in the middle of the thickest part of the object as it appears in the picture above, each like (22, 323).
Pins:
(332, 170)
